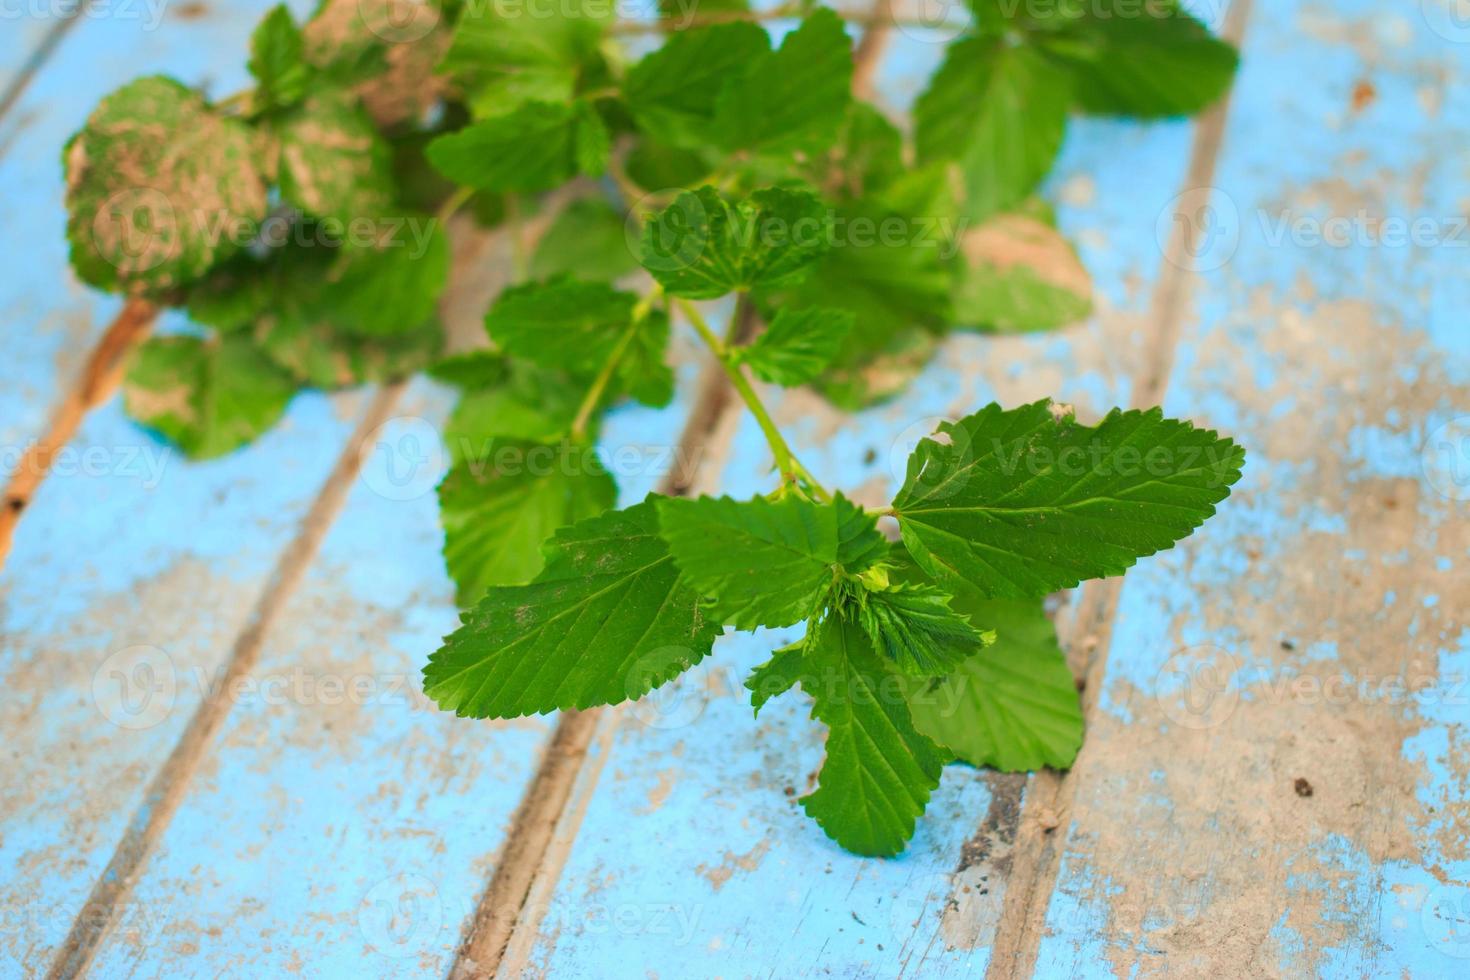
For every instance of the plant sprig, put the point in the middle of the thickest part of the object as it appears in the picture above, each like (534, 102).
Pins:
(301, 225)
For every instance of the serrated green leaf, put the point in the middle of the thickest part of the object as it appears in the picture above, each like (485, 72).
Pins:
(607, 619)
(208, 397)
(1019, 274)
(1145, 60)
(672, 92)
(506, 55)
(793, 97)
(498, 509)
(159, 189)
(564, 323)
(763, 562)
(776, 676)
(879, 771)
(535, 147)
(1014, 705)
(333, 162)
(999, 111)
(703, 246)
(798, 345)
(915, 627)
(588, 240)
(888, 284)
(1022, 502)
(277, 62)
(391, 289)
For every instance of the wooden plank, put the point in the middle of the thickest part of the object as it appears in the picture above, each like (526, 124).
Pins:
(684, 849)
(1258, 794)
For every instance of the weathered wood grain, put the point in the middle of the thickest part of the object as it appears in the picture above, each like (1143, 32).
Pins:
(1274, 781)
(685, 852)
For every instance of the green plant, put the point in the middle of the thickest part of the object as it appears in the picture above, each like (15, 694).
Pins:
(300, 224)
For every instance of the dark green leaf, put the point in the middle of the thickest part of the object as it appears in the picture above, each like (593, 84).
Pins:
(914, 626)
(672, 91)
(1021, 503)
(798, 345)
(588, 240)
(564, 323)
(393, 288)
(606, 620)
(702, 246)
(776, 676)
(277, 62)
(532, 148)
(208, 397)
(498, 509)
(506, 55)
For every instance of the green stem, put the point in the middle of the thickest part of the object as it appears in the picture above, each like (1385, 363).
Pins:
(453, 203)
(793, 473)
(610, 366)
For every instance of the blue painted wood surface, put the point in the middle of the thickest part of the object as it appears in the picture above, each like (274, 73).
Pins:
(349, 835)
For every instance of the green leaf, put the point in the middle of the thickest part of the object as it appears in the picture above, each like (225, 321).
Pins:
(588, 240)
(393, 288)
(506, 56)
(999, 111)
(879, 770)
(762, 562)
(914, 626)
(1014, 705)
(505, 400)
(643, 371)
(884, 373)
(1020, 275)
(277, 62)
(776, 676)
(655, 166)
(888, 283)
(702, 246)
(498, 509)
(798, 345)
(333, 162)
(606, 620)
(535, 147)
(1152, 60)
(318, 354)
(208, 397)
(792, 98)
(159, 189)
(1023, 502)
(564, 323)
(672, 92)
(868, 155)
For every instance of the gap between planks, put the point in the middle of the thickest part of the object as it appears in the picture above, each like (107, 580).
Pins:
(1037, 854)
(99, 914)
(38, 57)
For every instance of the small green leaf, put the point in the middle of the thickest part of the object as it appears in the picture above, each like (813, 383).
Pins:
(879, 770)
(1020, 275)
(607, 619)
(798, 345)
(277, 62)
(507, 56)
(672, 92)
(792, 98)
(564, 323)
(1158, 60)
(763, 562)
(208, 397)
(535, 147)
(914, 626)
(999, 111)
(1013, 705)
(498, 509)
(393, 288)
(333, 162)
(1023, 502)
(703, 246)
(159, 189)
(588, 240)
(776, 676)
